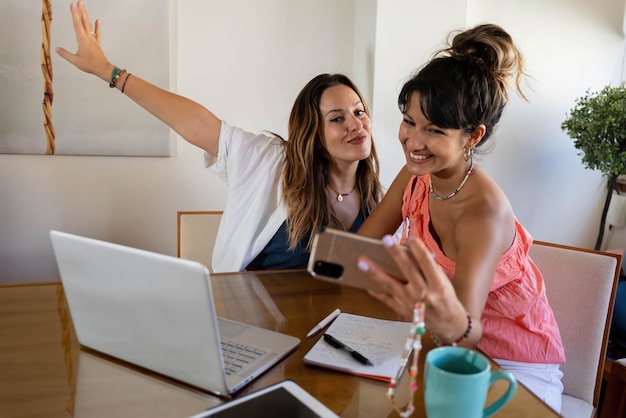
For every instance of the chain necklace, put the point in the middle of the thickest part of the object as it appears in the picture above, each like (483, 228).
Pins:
(458, 189)
(340, 196)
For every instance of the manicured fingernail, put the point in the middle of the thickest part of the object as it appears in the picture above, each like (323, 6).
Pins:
(363, 266)
(388, 241)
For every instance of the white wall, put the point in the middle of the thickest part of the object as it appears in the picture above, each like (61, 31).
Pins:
(570, 46)
(247, 60)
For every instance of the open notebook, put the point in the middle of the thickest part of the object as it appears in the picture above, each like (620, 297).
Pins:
(157, 312)
(380, 341)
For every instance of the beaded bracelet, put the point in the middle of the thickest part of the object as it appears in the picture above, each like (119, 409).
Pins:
(115, 75)
(461, 339)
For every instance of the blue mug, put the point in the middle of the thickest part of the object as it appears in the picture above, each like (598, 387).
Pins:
(456, 381)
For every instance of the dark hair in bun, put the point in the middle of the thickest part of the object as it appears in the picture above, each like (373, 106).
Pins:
(466, 84)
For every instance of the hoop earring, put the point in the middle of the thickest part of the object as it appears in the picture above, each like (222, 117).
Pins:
(467, 153)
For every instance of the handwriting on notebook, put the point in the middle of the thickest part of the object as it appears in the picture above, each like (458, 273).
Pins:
(381, 341)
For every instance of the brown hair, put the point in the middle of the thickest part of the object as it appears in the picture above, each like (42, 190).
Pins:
(306, 170)
(465, 85)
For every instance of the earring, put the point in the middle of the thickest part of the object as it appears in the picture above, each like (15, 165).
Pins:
(467, 153)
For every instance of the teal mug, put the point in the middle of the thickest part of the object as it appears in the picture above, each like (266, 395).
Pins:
(456, 381)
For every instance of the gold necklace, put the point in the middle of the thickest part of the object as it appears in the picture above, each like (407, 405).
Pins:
(340, 196)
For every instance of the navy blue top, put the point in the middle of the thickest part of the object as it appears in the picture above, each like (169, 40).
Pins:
(277, 256)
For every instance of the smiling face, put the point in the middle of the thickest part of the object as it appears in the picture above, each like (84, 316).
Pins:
(347, 128)
(429, 148)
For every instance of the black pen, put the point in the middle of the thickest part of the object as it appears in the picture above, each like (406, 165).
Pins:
(338, 344)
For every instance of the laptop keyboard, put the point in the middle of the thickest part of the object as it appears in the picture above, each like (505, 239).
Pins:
(237, 356)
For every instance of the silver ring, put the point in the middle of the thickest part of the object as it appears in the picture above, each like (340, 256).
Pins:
(93, 33)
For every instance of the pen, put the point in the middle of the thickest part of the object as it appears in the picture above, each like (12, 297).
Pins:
(338, 344)
(334, 314)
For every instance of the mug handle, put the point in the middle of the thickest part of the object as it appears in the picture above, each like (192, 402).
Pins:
(499, 403)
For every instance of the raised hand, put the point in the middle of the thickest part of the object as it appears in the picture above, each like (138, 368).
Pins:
(89, 57)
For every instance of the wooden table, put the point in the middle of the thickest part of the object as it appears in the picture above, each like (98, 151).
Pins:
(44, 371)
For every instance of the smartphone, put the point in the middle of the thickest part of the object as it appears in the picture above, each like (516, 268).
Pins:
(284, 399)
(334, 256)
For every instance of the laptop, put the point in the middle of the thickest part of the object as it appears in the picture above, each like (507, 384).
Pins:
(157, 312)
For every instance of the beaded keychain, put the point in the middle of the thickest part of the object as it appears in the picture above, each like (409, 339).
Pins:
(414, 344)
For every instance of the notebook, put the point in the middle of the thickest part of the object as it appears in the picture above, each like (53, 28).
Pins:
(157, 311)
(381, 341)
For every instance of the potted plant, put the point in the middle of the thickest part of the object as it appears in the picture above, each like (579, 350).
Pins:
(597, 124)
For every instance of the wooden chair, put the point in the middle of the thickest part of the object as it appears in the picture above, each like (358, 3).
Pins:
(196, 235)
(581, 286)
(614, 403)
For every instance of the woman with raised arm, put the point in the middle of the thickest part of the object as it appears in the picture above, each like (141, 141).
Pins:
(468, 266)
(280, 192)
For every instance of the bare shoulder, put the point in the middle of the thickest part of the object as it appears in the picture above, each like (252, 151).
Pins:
(488, 197)
(488, 213)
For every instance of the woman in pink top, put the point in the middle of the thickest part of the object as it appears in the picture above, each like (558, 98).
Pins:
(468, 258)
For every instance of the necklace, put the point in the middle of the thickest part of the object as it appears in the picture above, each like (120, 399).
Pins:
(458, 189)
(413, 344)
(340, 196)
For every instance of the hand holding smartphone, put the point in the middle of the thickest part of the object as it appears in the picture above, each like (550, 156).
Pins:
(334, 256)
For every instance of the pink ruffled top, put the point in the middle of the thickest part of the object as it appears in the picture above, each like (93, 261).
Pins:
(518, 322)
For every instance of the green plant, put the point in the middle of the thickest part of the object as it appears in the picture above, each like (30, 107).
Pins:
(597, 124)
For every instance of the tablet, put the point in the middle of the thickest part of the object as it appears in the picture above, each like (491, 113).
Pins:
(335, 253)
(284, 399)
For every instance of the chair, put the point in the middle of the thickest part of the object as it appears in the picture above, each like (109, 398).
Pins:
(614, 403)
(196, 235)
(581, 286)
